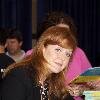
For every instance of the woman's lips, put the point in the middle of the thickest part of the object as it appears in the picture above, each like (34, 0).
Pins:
(59, 64)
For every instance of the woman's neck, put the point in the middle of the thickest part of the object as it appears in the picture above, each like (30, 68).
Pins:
(45, 74)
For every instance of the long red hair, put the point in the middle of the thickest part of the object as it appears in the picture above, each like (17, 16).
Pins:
(54, 35)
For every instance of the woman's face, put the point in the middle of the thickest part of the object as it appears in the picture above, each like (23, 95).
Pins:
(56, 57)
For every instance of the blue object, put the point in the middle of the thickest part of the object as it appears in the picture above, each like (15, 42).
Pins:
(95, 71)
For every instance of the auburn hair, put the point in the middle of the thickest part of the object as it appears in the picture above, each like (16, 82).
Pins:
(56, 36)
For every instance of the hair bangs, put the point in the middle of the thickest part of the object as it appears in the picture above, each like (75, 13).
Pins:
(64, 37)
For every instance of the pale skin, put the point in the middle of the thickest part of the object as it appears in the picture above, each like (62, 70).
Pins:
(13, 46)
(56, 57)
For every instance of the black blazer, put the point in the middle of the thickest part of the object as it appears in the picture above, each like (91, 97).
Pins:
(19, 85)
(5, 61)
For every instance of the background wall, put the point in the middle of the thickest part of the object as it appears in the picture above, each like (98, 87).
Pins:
(34, 16)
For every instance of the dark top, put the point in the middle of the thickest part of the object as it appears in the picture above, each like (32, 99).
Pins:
(5, 61)
(21, 85)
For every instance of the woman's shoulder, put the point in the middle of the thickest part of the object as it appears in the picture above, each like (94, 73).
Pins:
(21, 70)
(23, 74)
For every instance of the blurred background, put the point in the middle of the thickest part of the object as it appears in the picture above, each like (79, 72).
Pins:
(27, 15)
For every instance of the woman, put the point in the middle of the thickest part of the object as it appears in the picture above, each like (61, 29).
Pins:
(79, 62)
(41, 76)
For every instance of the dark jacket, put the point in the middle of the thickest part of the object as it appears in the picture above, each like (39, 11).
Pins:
(20, 85)
(5, 61)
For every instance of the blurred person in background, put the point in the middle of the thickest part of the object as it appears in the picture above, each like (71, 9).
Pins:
(14, 44)
(5, 60)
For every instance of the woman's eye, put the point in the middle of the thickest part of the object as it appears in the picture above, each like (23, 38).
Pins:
(58, 50)
(68, 54)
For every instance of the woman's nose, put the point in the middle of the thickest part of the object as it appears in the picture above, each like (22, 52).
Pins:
(61, 56)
